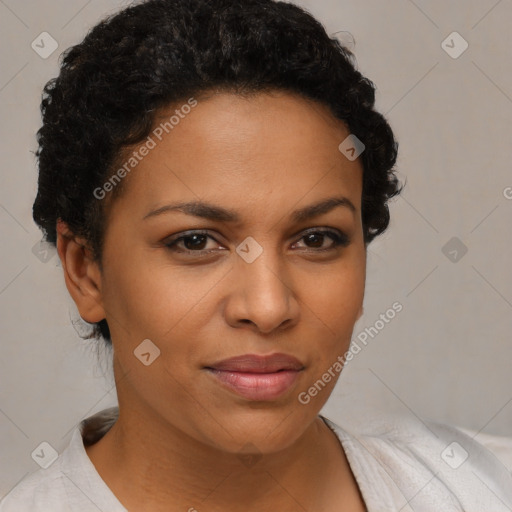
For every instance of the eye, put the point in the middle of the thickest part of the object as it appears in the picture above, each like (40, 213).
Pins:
(315, 238)
(191, 242)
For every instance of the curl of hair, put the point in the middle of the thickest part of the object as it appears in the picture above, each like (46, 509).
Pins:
(160, 52)
(96, 426)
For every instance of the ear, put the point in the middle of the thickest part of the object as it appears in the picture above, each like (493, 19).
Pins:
(81, 273)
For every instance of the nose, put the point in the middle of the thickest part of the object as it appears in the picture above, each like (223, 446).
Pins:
(262, 295)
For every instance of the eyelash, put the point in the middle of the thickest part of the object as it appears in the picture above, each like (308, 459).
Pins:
(339, 240)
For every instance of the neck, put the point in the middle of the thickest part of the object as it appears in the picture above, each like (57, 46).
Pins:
(150, 465)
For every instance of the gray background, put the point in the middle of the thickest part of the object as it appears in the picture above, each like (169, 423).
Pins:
(445, 357)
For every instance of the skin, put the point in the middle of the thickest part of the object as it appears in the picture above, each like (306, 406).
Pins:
(180, 433)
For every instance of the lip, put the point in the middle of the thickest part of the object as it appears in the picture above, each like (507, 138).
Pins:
(257, 377)
(253, 363)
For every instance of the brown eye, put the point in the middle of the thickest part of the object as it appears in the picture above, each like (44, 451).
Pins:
(194, 242)
(315, 239)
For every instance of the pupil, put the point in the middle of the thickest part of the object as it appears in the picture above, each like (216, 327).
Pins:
(198, 241)
(311, 237)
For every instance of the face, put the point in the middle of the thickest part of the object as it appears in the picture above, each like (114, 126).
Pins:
(252, 274)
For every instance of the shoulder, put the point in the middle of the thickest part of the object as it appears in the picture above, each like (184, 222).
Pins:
(43, 490)
(431, 461)
(71, 482)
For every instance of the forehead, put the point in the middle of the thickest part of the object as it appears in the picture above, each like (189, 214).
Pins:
(261, 148)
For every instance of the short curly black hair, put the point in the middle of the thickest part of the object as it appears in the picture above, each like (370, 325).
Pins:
(158, 52)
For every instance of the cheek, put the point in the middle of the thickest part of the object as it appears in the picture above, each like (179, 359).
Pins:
(333, 307)
(337, 295)
(161, 302)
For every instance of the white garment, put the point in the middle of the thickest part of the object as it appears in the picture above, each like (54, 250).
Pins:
(399, 465)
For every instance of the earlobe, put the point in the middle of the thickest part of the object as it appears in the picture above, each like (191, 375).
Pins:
(81, 274)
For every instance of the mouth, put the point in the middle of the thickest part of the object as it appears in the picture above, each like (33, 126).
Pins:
(254, 377)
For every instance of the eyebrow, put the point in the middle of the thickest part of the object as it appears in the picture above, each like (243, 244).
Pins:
(218, 213)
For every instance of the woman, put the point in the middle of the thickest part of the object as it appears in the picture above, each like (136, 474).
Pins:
(211, 173)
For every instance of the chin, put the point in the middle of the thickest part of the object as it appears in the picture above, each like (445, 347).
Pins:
(261, 429)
